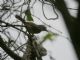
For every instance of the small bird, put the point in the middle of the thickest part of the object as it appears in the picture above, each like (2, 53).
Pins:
(32, 27)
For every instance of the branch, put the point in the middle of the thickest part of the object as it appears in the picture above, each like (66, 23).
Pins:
(73, 25)
(8, 24)
(8, 51)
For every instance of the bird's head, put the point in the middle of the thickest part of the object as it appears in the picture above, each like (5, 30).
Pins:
(42, 27)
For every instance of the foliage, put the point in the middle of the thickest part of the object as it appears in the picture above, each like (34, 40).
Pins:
(48, 36)
(28, 15)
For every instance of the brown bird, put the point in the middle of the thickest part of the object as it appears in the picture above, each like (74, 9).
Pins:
(32, 27)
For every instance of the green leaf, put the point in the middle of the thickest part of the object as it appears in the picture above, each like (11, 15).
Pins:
(28, 15)
(48, 36)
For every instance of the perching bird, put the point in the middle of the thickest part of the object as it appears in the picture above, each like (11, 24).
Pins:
(32, 27)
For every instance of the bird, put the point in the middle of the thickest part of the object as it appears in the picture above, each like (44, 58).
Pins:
(32, 27)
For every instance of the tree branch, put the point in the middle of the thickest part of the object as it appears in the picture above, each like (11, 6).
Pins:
(8, 51)
(73, 25)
